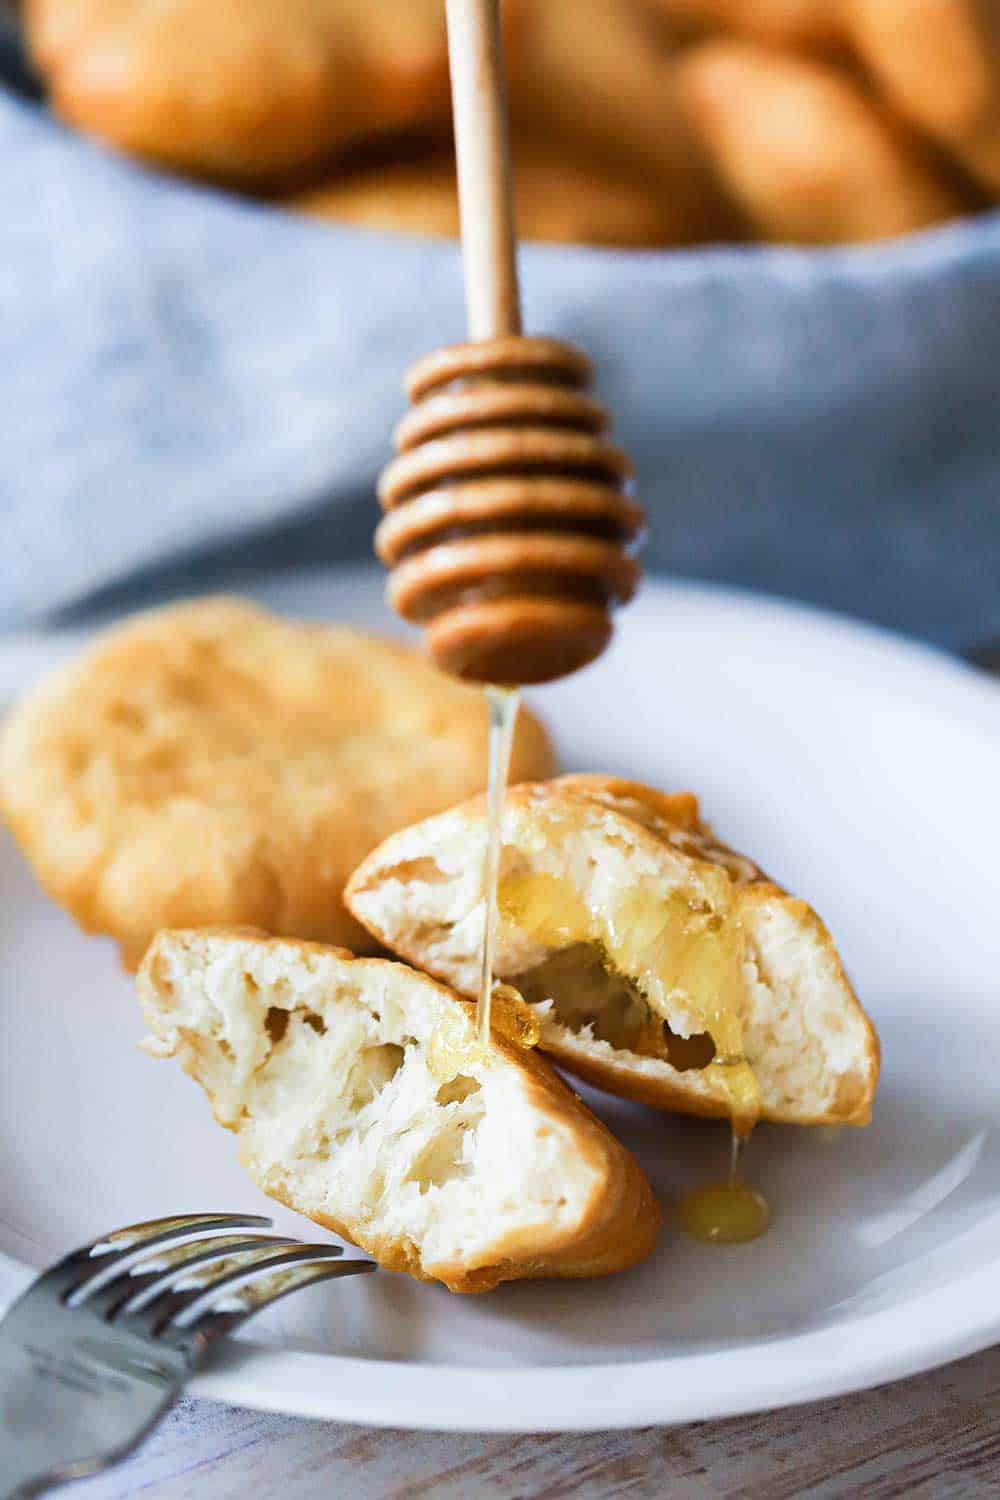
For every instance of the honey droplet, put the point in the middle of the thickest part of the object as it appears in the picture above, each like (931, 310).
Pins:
(514, 1018)
(723, 1213)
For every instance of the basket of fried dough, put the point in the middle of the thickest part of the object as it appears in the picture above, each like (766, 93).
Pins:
(636, 122)
(776, 239)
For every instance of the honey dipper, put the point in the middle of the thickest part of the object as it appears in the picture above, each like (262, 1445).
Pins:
(506, 520)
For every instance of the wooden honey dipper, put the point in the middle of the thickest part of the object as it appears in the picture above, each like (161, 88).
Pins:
(507, 518)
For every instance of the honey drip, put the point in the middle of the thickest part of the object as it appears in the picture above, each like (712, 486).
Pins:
(514, 1018)
(724, 1213)
(503, 706)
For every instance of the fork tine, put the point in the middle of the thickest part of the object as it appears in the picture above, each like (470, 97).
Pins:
(174, 1303)
(87, 1267)
(138, 1282)
(272, 1286)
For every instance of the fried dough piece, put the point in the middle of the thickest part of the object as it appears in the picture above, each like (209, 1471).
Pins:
(454, 1164)
(559, 197)
(939, 63)
(664, 966)
(241, 90)
(803, 150)
(213, 762)
(591, 76)
(786, 22)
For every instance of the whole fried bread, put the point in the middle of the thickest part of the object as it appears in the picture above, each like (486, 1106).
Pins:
(243, 90)
(804, 149)
(213, 762)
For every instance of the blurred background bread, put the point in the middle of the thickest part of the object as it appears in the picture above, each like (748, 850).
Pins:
(245, 90)
(804, 151)
(784, 22)
(560, 196)
(638, 122)
(938, 62)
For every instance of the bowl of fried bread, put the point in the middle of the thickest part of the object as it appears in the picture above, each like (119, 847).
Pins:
(771, 225)
(637, 122)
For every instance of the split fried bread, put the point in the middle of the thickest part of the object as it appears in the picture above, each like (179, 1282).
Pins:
(362, 1099)
(805, 151)
(663, 966)
(242, 90)
(213, 762)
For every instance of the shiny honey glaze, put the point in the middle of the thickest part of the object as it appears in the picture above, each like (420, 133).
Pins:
(673, 943)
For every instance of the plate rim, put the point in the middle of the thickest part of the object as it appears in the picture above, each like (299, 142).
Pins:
(800, 1366)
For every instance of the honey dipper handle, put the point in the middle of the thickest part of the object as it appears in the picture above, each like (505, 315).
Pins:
(479, 103)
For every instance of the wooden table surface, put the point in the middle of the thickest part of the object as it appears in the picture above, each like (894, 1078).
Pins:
(933, 1436)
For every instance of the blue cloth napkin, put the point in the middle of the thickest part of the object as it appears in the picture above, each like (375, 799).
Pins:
(195, 383)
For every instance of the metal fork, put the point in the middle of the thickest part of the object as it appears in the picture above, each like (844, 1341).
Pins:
(97, 1349)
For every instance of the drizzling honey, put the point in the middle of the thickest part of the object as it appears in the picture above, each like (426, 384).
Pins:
(453, 1048)
(724, 1213)
(503, 707)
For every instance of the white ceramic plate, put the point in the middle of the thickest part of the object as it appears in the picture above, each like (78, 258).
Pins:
(859, 769)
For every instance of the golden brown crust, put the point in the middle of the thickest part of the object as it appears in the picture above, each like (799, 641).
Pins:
(667, 821)
(243, 90)
(211, 762)
(621, 1220)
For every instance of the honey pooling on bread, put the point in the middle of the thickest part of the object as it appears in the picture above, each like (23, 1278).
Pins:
(507, 518)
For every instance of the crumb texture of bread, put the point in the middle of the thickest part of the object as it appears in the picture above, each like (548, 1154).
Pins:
(627, 857)
(324, 1066)
(213, 762)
